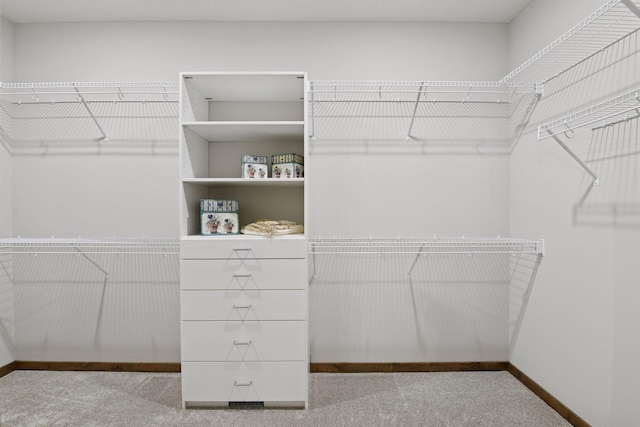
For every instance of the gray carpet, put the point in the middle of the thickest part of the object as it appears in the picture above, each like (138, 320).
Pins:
(45, 398)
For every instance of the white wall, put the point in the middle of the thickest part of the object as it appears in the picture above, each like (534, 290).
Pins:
(6, 287)
(445, 194)
(577, 339)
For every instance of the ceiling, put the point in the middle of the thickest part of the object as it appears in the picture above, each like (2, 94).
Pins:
(38, 11)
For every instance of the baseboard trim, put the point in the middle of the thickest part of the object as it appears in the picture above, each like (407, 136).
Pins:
(97, 366)
(7, 369)
(408, 367)
(547, 397)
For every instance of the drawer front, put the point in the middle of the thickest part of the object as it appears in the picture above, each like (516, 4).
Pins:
(244, 247)
(222, 382)
(243, 341)
(244, 305)
(243, 274)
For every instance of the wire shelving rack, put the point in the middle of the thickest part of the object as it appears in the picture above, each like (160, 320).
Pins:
(610, 23)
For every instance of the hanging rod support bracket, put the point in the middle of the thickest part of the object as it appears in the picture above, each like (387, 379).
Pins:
(596, 180)
(104, 135)
(632, 7)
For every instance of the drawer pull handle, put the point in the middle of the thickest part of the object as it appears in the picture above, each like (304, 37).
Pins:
(242, 275)
(242, 383)
(236, 342)
(242, 250)
(236, 306)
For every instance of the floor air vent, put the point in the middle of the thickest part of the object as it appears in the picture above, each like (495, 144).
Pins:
(246, 405)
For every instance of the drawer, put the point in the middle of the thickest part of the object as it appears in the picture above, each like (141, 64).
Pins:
(243, 247)
(243, 274)
(243, 341)
(223, 382)
(244, 305)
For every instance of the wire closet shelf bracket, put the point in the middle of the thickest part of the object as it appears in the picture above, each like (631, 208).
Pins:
(617, 110)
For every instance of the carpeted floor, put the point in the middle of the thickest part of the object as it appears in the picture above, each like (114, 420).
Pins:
(46, 398)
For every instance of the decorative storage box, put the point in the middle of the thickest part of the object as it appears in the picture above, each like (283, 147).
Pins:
(219, 217)
(254, 166)
(287, 166)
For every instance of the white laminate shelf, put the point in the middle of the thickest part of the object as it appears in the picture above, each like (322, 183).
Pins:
(248, 86)
(245, 182)
(242, 237)
(247, 130)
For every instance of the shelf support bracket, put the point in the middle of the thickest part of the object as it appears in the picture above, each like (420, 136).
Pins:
(415, 260)
(104, 135)
(596, 180)
(95, 264)
(632, 7)
(415, 110)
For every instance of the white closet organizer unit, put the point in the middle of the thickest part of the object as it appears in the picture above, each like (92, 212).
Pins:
(244, 331)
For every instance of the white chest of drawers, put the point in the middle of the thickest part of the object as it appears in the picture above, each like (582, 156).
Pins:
(244, 330)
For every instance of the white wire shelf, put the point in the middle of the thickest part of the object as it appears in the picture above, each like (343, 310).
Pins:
(36, 247)
(416, 246)
(449, 114)
(130, 112)
(619, 109)
(613, 21)
(417, 91)
(56, 92)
